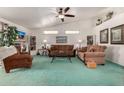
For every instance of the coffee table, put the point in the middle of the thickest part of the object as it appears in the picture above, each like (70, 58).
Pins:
(61, 54)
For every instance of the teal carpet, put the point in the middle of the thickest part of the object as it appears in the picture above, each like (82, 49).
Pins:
(62, 72)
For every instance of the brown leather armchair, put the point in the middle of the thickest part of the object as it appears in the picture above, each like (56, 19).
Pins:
(94, 52)
(17, 61)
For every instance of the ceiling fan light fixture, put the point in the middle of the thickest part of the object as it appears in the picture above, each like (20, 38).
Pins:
(61, 16)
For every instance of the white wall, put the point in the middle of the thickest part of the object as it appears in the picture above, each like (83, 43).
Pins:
(85, 28)
(115, 53)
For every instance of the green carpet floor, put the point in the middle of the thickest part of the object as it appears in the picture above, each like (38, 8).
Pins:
(62, 72)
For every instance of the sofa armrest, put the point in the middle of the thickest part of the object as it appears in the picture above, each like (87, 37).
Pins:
(94, 54)
(74, 50)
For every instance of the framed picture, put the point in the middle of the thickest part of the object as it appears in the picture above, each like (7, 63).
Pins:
(104, 36)
(117, 34)
(90, 40)
(61, 39)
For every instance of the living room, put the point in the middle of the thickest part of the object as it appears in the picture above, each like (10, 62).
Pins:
(55, 44)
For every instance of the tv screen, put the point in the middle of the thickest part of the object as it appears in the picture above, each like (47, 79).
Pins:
(21, 34)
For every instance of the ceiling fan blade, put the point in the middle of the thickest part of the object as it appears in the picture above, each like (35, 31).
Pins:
(68, 15)
(62, 19)
(60, 11)
(66, 9)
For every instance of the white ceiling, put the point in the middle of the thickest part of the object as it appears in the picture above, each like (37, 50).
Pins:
(37, 17)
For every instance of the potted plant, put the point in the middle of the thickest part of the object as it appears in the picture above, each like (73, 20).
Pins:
(9, 35)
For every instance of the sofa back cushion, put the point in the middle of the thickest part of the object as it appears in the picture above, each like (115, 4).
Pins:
(62, 47)
(96, 48)
(84, 49)
(62, 50)
(99, 48)
(54, 47)
(90, 48)
(70, 47)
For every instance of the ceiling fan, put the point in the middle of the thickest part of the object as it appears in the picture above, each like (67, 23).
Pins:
(62, 13)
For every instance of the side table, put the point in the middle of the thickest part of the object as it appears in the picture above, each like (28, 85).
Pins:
(43, 52)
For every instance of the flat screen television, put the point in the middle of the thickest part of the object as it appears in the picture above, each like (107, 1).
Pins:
(21, 34)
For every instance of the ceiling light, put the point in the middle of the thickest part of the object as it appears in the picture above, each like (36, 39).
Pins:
(50, 32)
(71, 32)
(61, 16)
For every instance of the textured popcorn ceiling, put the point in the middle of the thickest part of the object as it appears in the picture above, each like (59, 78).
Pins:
(37, 17)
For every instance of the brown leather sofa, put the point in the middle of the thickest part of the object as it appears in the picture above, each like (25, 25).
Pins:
(17, 61)
(62, 50)
(94, 52)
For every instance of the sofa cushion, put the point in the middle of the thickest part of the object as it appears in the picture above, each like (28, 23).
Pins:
(99, 48)
(96, 54)
(70, 47)
(96, 48)
(81, 54)
(54, 47)
(84, 49)
(90, 48)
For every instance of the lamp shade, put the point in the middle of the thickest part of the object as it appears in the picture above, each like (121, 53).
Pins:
(44, 41)
(79, 41)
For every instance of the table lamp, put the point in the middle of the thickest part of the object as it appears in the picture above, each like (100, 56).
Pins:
(44, 42)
